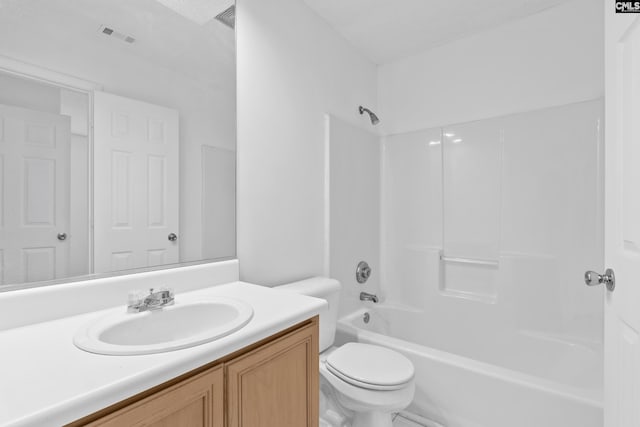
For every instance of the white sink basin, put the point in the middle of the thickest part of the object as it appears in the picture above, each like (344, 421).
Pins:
(171, 328)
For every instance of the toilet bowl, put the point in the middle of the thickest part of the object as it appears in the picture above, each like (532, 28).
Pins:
(370, 380)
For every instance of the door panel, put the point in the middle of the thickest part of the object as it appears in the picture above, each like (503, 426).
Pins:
(622, 219)
(39, 192)
(136, 187)
(34, 195)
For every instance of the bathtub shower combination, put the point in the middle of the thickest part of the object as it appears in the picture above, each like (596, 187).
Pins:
(487, 228)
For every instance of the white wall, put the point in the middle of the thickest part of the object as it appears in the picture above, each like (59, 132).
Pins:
(28, 94)
(552, 58)
(292, 69)
(218, 202)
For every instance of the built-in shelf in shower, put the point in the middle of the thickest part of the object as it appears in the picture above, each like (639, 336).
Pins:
(469, 278)
(472, 261)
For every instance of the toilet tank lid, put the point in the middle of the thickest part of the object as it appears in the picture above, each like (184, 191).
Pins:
(317, 287)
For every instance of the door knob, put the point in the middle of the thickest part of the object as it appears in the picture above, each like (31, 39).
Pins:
(591, 278)
(172, 237)
(62, 236)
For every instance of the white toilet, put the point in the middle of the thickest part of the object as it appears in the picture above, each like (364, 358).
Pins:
(370, 380)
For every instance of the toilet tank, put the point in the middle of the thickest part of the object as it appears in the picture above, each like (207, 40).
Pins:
(327, 289)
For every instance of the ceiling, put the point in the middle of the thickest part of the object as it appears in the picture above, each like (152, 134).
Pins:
(386, 30)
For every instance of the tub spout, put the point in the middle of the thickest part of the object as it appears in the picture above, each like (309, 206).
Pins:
(364, 296)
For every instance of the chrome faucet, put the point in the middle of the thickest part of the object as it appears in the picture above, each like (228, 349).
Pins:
(154, 301)
(364, 296)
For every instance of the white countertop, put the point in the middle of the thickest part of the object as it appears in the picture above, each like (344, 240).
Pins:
(46, 381)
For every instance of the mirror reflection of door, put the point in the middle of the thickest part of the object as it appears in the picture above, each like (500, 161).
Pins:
(34, 195)
(136, 184)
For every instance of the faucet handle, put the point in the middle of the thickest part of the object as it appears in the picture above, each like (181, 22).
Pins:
(135, 298)
(163, 291)
(168, 292)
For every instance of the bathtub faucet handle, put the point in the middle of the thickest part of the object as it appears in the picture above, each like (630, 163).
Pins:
(363, 272)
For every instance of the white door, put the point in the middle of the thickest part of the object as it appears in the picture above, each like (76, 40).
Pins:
(34, 195)
(622, 218)
(136, 184)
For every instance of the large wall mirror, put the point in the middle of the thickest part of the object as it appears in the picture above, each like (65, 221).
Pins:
(117, 136)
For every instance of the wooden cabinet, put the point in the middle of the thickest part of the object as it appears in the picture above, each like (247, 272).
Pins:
(276, 384)
(194, 402)
(273, 383)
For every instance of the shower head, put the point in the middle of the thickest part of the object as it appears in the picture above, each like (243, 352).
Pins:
(374, 119)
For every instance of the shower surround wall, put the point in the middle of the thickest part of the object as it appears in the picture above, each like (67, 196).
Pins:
(488, 227)
(354, 208)
(522, 203)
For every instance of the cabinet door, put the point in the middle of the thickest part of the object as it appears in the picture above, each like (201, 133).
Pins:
(276, 385)
(195, 402)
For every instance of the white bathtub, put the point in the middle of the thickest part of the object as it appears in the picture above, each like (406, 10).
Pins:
(558, 386)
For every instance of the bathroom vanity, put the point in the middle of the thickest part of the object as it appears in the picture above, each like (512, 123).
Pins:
(273, 382)
(264, 374)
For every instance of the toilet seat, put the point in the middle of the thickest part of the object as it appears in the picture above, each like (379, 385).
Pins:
(362, 399)
(370, 366)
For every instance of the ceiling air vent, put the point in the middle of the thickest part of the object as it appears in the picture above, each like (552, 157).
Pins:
(108, 31)
(228, 17)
